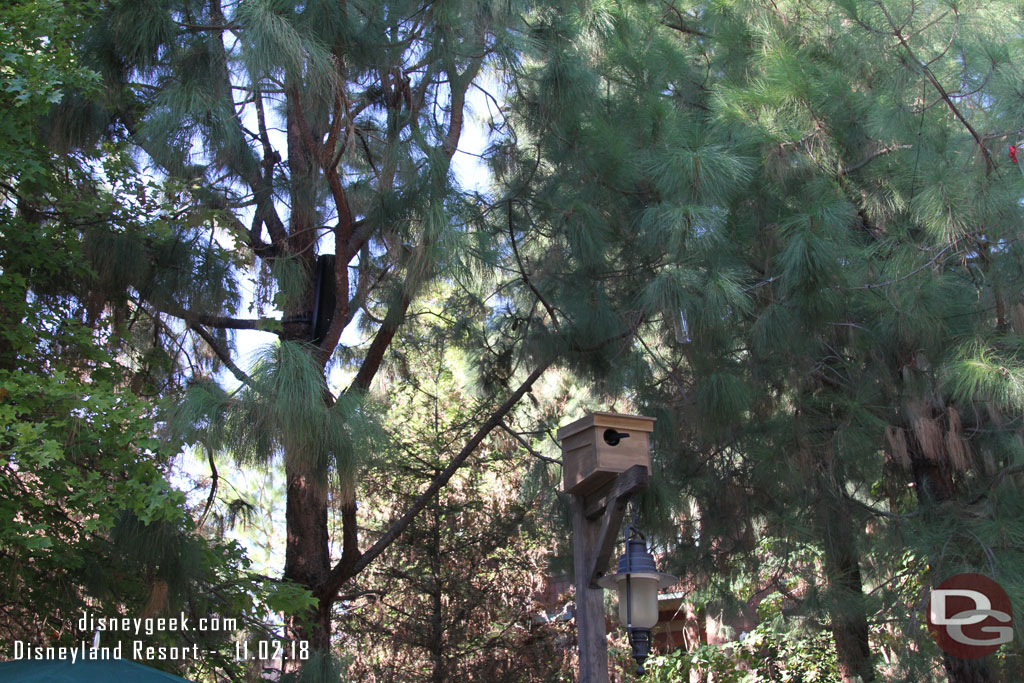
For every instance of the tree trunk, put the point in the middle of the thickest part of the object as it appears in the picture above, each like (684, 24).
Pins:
(967, 670)
(436, 603)
(841, 564)
(846, 608)
(307, 558)
(307, 553)
(934, 484)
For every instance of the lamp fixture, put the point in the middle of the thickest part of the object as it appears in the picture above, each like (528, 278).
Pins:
(637, 581)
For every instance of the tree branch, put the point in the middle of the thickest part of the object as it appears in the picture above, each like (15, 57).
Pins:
(339, 575)
(871, 157)
(219, 321)
(459, 86)
(898, 32)
(262, 186)
(375, 354)
(526, 444)
(522, 271)
(416, 272)
(221, 353)
(359, 236)
(680, 23)
(213, 488)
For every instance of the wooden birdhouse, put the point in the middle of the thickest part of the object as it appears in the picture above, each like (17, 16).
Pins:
(599, 446)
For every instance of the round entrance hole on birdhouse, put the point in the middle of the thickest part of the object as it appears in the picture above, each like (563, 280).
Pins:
(599, 446)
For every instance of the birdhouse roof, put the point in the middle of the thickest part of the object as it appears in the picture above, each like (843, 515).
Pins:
(636, 423)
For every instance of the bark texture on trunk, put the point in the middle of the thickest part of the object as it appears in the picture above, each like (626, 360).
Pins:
(307, 550)
(847, 608)
(436, 638)
(836, 527)
(967, 670)
(307, 558)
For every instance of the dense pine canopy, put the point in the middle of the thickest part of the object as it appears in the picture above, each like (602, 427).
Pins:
(264, 232)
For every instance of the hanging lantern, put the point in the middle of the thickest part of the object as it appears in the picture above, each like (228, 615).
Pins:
(637, 582)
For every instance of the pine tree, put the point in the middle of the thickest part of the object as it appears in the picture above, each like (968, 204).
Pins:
(817, 229)
(289, 131)
(788, 230)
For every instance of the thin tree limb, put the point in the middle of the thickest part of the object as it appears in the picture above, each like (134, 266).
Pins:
(871, 157)
(898, 33)
(526, 444)
(221, 322)
(221, 353)
(396, 312)
(339, 575)
(213, 488)
(381, 341)
(522, 271)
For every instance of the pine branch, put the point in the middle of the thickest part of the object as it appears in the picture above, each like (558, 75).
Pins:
(526, 444)
(358, 237)
(396, 313)
(339, 575)
(262, 186)
(1009, 470)
(996, 136)
(221, 353)
(871, 157)
(335, 129)
(349, 528)
(932, 261)
(680, 24)
(898, 33)
(459, 86)
(221, 322)
(880, 513)
(381, 341)
(522, 271)
(363, 289)
(215, 478)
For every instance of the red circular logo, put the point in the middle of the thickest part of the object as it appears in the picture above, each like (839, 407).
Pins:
(970, 616)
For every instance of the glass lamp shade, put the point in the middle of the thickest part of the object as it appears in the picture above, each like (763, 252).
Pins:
(644, 582)
(643, 603)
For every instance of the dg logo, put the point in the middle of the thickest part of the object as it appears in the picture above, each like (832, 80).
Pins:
(970, 616)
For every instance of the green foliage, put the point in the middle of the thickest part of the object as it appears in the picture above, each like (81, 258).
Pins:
(778, 650)
(988, 374)
(822, 279)
(454, 597)
(290, 598)
(37, 67)
(89, 521)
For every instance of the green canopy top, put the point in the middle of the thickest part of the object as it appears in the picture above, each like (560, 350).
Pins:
(83, 671)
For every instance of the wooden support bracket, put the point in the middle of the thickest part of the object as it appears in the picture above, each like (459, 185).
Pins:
(611, 507)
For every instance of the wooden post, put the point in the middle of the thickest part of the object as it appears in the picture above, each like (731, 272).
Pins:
(602, 472)
(595, 526)
(590, 629)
